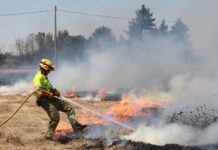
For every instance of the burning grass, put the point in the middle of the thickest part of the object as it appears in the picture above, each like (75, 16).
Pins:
(129, 108)
(27, 129)
(62, 129)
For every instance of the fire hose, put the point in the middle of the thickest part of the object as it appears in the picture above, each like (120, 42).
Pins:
(97, 113)
(74, 103)
(9, 118)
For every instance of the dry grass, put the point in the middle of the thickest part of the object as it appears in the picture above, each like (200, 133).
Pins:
(26, 130)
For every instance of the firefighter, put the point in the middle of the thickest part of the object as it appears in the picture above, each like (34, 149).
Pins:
(52, 105)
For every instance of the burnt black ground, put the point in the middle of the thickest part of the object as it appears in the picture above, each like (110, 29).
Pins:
(103, 143)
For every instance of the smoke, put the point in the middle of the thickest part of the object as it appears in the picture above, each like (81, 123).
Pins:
(19, 87)
(192, 122)
(148, 64)
(175, 133)
(108, 132)
(159, 65)
(184, 123)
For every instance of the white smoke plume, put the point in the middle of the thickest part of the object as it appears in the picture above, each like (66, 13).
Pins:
(175, 133)
(19, 87)
(157, 65)
(150, 64)
(187, 123)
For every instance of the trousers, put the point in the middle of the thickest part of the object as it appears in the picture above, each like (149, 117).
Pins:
(52, 106)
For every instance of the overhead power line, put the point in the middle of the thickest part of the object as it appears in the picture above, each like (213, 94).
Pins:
(25, 13)
(122, 18)
(94, 15)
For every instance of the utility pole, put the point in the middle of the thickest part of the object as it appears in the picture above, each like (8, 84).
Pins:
(55, 36)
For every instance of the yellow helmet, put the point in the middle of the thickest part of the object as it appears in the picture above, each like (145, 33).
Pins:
(46, 64)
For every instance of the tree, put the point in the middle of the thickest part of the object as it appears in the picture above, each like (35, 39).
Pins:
(143, 23)
(180, 29)
(64, 43)
(29, 48)
(163, 27)
(180, 32)
(30, 42)
(49, 44)
(103, 34)
(63, 39)
(78, 42)
(2, 57)
(70, 46)
(40, 41)
(20, 46)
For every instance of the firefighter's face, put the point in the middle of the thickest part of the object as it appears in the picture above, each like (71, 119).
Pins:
(45, 72)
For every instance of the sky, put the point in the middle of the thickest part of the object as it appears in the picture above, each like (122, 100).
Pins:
(199, 15)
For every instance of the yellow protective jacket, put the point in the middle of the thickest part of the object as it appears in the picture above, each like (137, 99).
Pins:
(41, 83)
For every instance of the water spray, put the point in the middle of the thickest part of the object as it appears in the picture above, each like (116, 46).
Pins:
(97, 113)
(74, 103)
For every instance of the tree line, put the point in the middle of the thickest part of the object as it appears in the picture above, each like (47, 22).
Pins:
(70, 47)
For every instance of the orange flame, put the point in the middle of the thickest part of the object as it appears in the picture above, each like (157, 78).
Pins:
(84, 117)
(101, 94)
(90, 118)
(62, 129)
(71, 93)
(128, 108)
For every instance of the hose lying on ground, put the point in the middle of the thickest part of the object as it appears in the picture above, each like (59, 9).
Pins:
(63, 98)
(16, 110)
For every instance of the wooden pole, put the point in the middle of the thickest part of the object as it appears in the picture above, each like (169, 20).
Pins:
(55, 36)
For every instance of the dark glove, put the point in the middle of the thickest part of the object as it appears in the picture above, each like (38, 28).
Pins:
(56, 92)
(47, 94)
(42, 92)
(38, 102)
